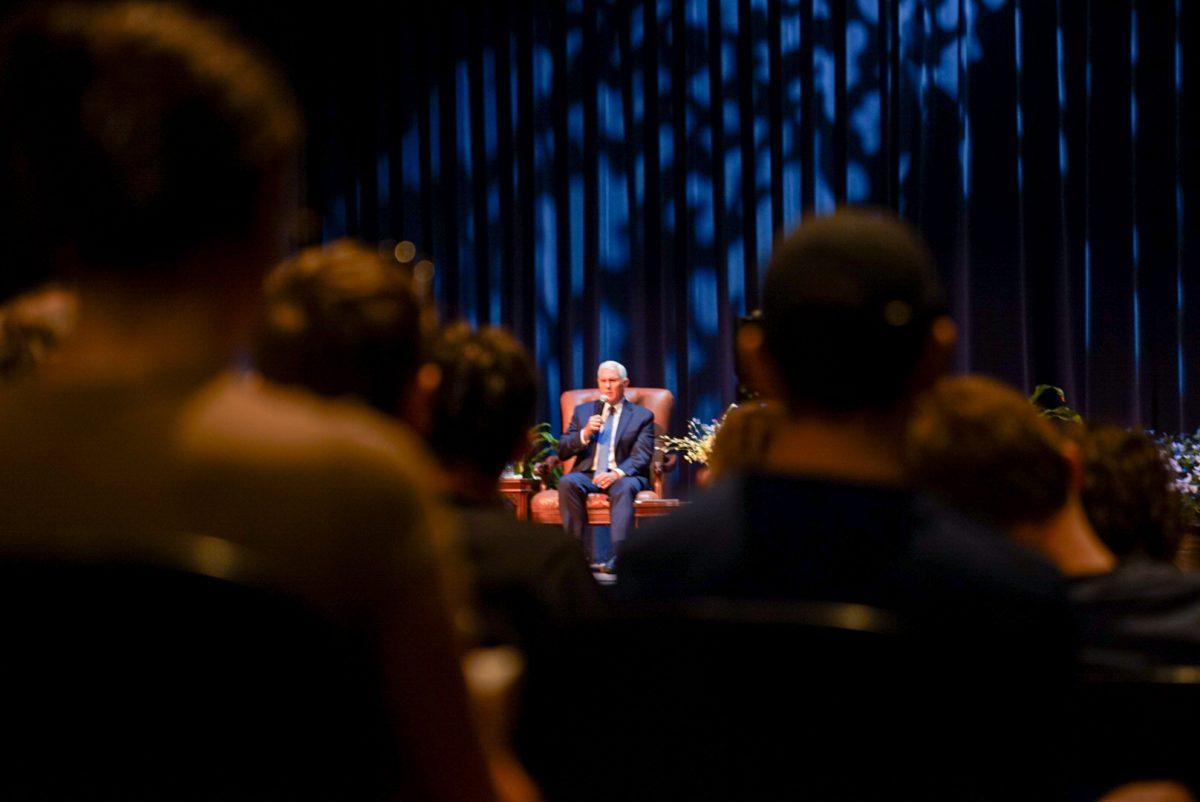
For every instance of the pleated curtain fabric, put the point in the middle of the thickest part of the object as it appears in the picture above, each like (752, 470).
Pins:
(607, 177)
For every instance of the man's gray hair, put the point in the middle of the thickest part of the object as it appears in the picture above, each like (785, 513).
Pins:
(614, 365)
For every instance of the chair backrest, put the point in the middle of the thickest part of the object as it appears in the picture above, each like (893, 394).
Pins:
(717, 701)
(658, 400)
(130, 678)
(1139, 723)
(728, 699)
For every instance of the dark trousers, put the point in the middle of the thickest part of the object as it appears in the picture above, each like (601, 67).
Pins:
(573, 491)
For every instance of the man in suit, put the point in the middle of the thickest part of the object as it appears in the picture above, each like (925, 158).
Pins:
(613, 440)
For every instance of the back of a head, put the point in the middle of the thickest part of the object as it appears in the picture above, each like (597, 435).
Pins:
(981, 447)
(1128, 493)
(341, 320)
(485, 403)
(847, 304)
(135, 135)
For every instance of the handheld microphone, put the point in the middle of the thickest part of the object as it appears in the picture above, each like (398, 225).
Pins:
(605, 411)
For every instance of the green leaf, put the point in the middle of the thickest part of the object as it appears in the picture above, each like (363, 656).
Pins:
(1042, 389)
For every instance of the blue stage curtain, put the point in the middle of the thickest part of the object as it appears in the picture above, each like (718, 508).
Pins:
(606, 178)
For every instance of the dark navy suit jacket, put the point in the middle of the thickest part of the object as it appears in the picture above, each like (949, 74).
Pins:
(633, 442)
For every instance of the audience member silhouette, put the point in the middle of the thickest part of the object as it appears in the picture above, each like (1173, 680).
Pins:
(528, 577)
(744, 436)
(146, 157)
(532, 581)
(343, 322)
(853, 327)
(981, 447)
(333, 316)
(1128, 492)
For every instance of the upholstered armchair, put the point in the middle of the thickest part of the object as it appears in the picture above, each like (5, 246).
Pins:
(648, 503)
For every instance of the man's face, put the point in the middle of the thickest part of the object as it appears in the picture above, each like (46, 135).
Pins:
(612, 386)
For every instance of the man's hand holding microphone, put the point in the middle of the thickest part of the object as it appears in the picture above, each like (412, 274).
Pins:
(595, 423)
(592, 428)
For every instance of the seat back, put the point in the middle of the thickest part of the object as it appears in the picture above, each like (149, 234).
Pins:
(721, 699)
(718, 701)
(134, 679)
(659, 400)
(1136, 724)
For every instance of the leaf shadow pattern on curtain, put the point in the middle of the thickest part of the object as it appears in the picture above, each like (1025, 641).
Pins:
(607, 177)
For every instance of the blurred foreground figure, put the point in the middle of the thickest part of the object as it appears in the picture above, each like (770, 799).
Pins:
(336, 321)
(339, 321)
(1128, 493)
(531, 581)
(982, 447)
(145, 159)
(529, 578)
(744, 437)
(825, 533)
(343, 322)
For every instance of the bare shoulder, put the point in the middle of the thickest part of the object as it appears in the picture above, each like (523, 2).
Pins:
(319, 480)
(251, 422)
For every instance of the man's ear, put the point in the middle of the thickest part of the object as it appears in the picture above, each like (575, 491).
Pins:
(1073, 456)
(936, 354)
(416, 408)
(762, 372)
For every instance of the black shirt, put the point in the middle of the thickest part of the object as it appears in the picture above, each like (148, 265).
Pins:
(1142, 613)
(990, 633)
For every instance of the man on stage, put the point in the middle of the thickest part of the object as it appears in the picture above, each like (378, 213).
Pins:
(614, 442)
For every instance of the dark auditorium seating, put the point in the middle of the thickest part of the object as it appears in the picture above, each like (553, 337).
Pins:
(136, 678)
(1139, 724)
(719, 700)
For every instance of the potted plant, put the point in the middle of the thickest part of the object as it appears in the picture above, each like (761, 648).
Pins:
(1052, 401)
(541, 460)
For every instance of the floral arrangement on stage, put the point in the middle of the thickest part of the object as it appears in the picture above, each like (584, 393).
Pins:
(1183, 455)
(697, 445)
